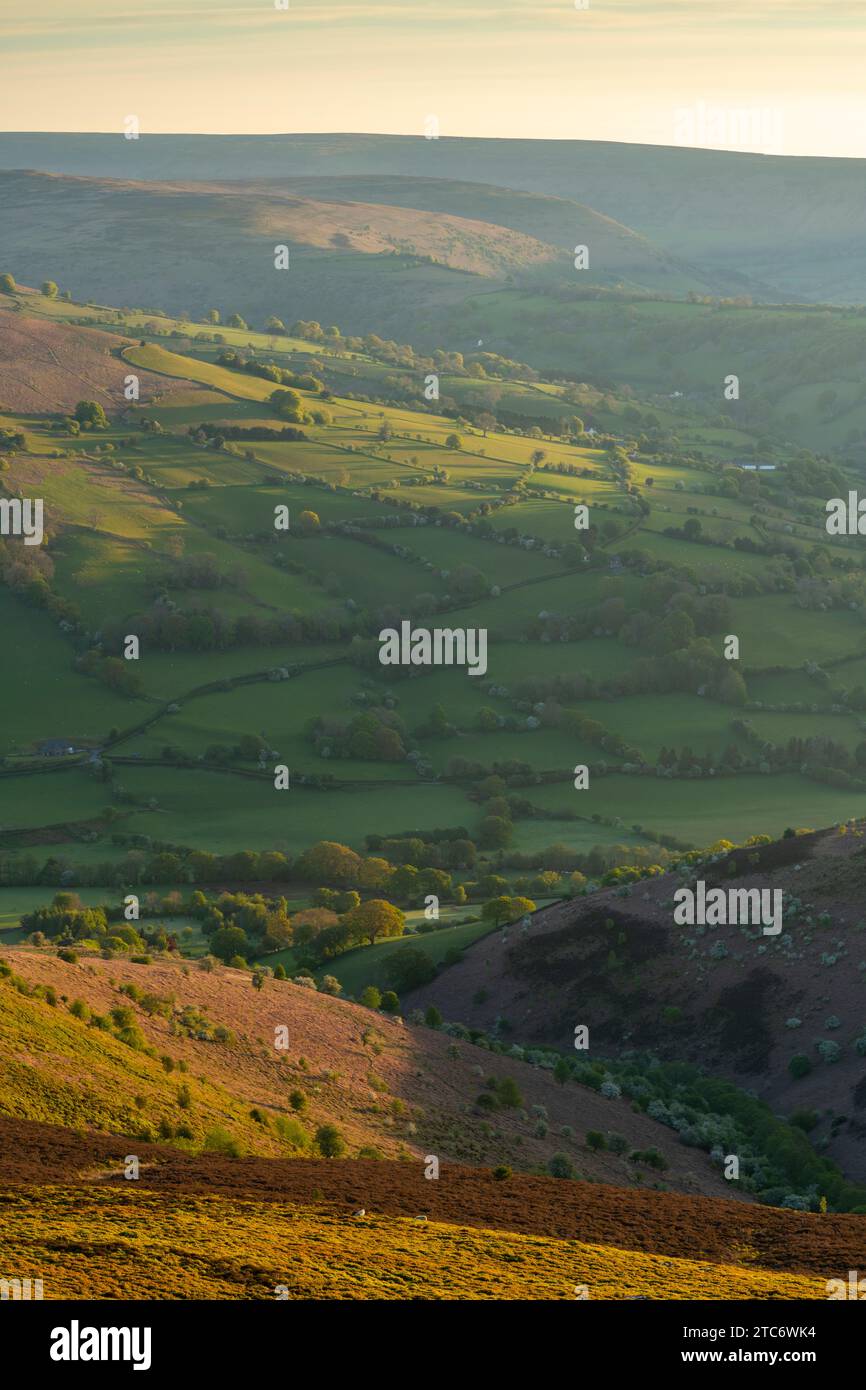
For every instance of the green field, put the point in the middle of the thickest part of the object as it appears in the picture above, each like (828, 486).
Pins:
(365, 966)
(136, 513)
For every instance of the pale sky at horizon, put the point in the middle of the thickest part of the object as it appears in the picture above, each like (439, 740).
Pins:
(779, 76)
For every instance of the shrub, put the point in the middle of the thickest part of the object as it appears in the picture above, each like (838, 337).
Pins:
(617, 1143)
(508, 1093)
(390, 1003)
(432, 1017)
(799, 1066)
(560, 1166)
(219, 1141)
(79, 1009)
(409, 968)
(70, 957)
(279, 972)
(502, 1172)
(329, 984)
(370, 997)
(330, 1141)
(292, 1132)
(794, 1202)
(298, 1101)
(595, 1139)
(651, 1157)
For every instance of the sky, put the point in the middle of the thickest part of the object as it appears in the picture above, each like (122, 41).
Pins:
(776, 76)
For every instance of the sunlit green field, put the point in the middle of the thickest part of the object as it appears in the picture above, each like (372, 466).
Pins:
(129, 507)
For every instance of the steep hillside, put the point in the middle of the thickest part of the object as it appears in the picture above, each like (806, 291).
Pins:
(384, 1084)
(47, 367)
(729, 998)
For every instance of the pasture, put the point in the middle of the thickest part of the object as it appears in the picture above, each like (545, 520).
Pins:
(134, 510)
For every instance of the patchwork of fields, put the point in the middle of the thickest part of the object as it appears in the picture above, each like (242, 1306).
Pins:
(162, 531)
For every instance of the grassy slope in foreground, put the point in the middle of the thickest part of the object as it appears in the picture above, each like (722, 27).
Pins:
(211, 1247)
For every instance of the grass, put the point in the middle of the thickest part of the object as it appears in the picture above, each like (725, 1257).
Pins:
(115, 536)
(366, 965)
(700, 812)
(44, 697)
(212, 810)
(89, 1243)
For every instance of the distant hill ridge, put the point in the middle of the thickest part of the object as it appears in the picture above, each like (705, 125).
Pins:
(795, 223)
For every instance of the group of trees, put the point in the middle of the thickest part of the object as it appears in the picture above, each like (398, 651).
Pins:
(90, 415)
(269, 371)
(822, 758)
(207, 628)
(218, 434)
(66, 920)
(376, 735)
(112, 671)
(241, 926)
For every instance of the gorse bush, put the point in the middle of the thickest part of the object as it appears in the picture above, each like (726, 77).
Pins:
(218, 1140)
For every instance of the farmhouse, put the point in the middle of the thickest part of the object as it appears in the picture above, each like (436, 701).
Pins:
(55, 748)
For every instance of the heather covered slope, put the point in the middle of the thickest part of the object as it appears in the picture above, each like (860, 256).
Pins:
(47, 367)
(456, 1236)
(728, 998)
(386, 1085)
(219, 1248)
